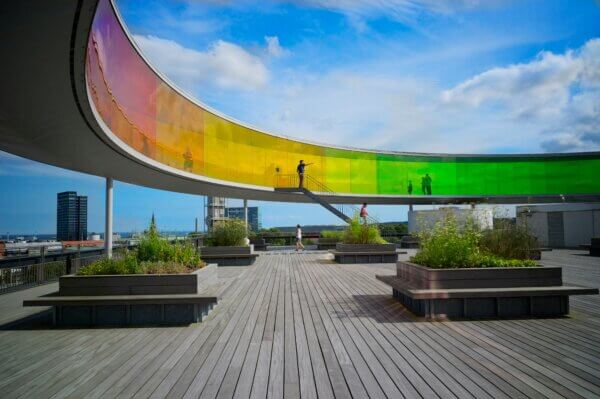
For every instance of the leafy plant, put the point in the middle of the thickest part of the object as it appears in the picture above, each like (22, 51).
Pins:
(126, 264)
(333, 234)
(392, 229)
(154, 255)
(509, 240)
(360, 233)
(228, 233)
(447, 245)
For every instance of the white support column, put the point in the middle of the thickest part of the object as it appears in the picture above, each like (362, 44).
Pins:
(108, 221)
(246, 214)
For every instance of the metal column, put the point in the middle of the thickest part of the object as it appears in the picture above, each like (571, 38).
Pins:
(108, 222)
(246, 214)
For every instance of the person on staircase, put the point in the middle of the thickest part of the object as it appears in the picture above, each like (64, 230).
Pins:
(300, 170)
(363, 213)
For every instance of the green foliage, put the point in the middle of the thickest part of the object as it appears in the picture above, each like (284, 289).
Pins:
(277, 241)
(361, 233)
(269, 231)
(154, 255)
(333, 234)
(509, 240)
(228, 233)
(447, 245)
(152, 247)
(393, 229)
(164, 268)
(126, 264)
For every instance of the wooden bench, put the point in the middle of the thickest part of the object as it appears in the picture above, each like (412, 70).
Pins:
(485, 302)
(365, 253)
(230, 259)
(365, 257)
(126, 309)
(229, 256)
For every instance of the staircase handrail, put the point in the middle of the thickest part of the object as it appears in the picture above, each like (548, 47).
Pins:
(349, 210)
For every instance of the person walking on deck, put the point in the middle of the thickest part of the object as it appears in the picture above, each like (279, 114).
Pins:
(299, 245)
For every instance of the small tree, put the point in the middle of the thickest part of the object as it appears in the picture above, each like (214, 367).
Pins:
(361, 233)
(229, 233)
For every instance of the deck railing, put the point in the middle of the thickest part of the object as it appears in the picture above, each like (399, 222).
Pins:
(16, 277)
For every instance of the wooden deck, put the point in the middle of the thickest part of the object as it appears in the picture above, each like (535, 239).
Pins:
(301, 326)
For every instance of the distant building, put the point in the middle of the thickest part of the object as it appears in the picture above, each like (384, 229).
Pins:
(215, 210)
(238, 213)
(561, 225)
(71, 217)
(426, 219)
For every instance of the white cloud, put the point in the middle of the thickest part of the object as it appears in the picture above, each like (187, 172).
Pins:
(541, 86)
(356, 109)
(224, 64)
(558, 93)
(274, 49)
(394, 8)
(400, 10)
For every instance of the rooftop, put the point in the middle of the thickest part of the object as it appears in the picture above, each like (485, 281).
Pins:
(301, 325)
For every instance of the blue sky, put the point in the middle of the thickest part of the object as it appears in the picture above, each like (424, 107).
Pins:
(417, 75)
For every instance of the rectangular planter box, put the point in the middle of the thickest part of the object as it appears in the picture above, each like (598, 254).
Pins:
(138, 284)
(259, 243)
(131, 314)
(327, 243)
(340, 247)
(241, 250)
(229, 256)
(409, 242)
(421, 277)
(365, 253)
(486, 307)
(131, 299)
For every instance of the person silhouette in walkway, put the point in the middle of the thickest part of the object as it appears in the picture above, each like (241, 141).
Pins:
(424, 185)
(427, 184)
(300, 170)
(410, 187)
(188, 160)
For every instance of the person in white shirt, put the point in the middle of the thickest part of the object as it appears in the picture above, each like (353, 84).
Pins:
(299, 245)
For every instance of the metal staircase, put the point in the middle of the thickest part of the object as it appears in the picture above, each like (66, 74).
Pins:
(315, 190)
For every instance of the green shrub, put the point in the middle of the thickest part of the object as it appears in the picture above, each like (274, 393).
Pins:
(333, 234)
(154, 255)
(509, 240)
(165, 268)
(447, 245)
(228, 233)
(392, 229)
(361, 233)
(276, 241)
(126, 264)
(152, 247)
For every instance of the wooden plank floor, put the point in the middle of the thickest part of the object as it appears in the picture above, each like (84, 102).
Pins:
(300, 326)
